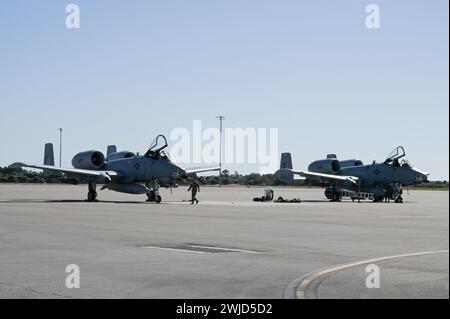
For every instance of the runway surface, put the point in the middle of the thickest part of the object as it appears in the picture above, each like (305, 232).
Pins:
(225, 247)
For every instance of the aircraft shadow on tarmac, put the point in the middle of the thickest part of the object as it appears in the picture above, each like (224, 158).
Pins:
(47, 201)
(60, 201)
(344, 202)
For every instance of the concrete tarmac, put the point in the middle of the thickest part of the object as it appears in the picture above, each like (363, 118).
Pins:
(225, 247)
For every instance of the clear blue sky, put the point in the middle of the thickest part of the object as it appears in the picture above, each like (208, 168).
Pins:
(311, 68)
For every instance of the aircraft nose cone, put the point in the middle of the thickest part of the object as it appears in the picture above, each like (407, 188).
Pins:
(420, 176)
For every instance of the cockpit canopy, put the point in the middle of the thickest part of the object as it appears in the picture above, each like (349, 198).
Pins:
(395, 156)
(156, 148)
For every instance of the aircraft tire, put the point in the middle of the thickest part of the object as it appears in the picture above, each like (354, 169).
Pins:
(151, 197)
(158, 199)
(335, 197)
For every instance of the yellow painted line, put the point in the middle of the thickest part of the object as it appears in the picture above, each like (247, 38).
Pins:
(303, 286)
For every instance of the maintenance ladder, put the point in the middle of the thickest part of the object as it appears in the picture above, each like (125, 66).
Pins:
(356, 195)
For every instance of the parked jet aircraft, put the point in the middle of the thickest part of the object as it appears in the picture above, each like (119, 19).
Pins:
(352, 178)
(123, 171)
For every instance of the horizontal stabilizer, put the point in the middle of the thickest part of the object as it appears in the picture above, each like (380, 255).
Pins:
(16, 165)
(284, 175)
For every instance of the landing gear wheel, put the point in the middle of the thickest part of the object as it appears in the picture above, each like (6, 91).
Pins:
(153, 194)
(92, 196)
(151, 197)
(399, 199)
(335, 197)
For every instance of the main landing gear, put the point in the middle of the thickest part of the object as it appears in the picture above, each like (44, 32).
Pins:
(332, 194)
(92, 194)
(153, 195)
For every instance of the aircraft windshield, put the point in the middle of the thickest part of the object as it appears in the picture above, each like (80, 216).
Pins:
(405, 163)
(156, 148)
(395, 155)
(159, 143)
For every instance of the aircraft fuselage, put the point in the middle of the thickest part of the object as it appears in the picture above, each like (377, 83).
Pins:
(141, 169)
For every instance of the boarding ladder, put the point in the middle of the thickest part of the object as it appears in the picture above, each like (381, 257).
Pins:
(356, 195)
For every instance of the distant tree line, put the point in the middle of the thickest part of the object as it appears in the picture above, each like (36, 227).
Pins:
(434, 184)
(9, 175)
(253, 179)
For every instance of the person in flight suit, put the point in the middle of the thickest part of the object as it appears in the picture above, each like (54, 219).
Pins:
(194, 188)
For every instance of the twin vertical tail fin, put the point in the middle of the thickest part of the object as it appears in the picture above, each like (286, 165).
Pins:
(111, 149)
(284, 174)
(49, 159)
(286, 161)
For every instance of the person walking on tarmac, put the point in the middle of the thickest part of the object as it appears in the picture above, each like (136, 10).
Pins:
(194, 188)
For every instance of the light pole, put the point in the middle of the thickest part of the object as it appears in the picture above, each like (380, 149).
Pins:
(220, 118)
(60, 145)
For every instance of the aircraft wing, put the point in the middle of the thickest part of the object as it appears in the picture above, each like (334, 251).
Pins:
(351, 179)
(72, 171)
(195, 170)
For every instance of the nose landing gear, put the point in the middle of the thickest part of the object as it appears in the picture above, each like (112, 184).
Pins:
(153, 195)
(397, 192)
(399, 199)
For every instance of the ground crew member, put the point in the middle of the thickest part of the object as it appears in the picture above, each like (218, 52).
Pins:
(194, 187)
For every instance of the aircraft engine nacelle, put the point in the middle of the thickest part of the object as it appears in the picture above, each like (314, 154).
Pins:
(327, 166)
(120, 155)
(92, 160)
(350, 163)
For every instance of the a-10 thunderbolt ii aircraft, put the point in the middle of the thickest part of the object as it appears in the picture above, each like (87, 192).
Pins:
(351, 178)
(123, 172)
